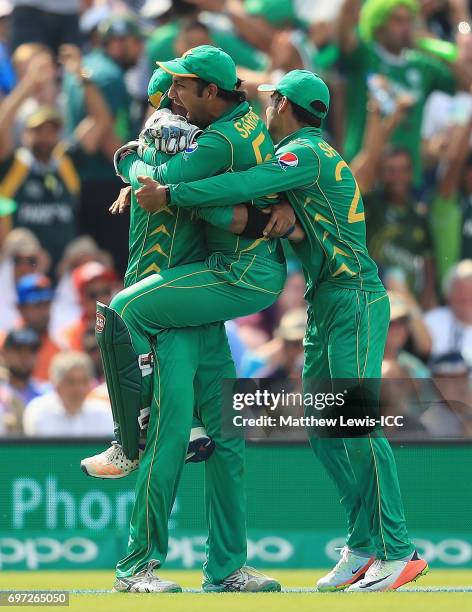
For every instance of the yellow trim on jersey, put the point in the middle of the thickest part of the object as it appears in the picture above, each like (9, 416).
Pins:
(343, 268)
(319, 217)
(152, 268)
(156, 249)
(256, 243)
(14, 178)
(161, 229)
(164, 209)
(338, 251)
(69, 174)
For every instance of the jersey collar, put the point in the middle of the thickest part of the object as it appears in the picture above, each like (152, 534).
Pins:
(304, 132)
(233, 113)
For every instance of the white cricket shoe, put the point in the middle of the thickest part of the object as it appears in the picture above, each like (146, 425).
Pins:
(246, 579)
(146, 581)
(350, 568)
(390, 575)
(112, 463)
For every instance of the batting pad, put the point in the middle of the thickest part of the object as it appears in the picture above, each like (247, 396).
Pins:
(123, 376)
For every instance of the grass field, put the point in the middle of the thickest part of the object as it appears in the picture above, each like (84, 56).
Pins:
(439, 591)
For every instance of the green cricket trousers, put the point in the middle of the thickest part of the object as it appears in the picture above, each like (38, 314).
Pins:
(345, 339)
(190, 363)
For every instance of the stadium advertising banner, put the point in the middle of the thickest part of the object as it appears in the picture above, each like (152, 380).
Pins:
(54, 517)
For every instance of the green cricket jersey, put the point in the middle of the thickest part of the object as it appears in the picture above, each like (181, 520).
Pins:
(169, 238)
(414, 73)
(324, 193)
(238, 140)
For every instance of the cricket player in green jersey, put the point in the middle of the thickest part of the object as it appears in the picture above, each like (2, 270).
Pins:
(348, 319)
(155, 244)
(254, 270)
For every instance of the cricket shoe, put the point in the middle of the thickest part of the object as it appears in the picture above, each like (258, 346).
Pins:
(112, 463)
(350, 568)
(146, 581)
(200, 446)
(390, 575)
(246, 579)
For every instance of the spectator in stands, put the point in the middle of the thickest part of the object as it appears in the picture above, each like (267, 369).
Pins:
(94, 283)
(65, 411)
(451, 210)
(7, 74)
(450, 326)
(398, 235)
(22, 254)
(282, 355)
(36, 86)
(66, 309)
(44, 183)
(42, 174)
(34, 303)
(383, 46)
(105, 67)
(288, 362)
(293, 293)
(450, 415)
(90, 347)
(50, 22)
(20, 354)
(181, 27)
(89, 24)
(443, 112)
(401, 396)
(406, 325)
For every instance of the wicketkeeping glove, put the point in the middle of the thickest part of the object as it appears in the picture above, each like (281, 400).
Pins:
(134, 146)
(168, 133)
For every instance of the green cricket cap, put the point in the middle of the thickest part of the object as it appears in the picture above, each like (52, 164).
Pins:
(304, 88)
(159, 85)
(205, 62)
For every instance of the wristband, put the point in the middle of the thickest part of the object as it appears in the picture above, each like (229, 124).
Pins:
(256, 222)
(289, 232)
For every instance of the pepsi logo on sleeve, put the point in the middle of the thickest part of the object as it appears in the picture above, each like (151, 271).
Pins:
(288, 160)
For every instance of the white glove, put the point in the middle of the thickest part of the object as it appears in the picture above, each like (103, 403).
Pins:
(168, 133)
(134, 146)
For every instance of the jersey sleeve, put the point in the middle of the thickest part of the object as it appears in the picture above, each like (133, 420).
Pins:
(211, 155)
(295, 165)
(219, 216)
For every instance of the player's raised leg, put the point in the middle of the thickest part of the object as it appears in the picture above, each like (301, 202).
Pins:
(189, 295)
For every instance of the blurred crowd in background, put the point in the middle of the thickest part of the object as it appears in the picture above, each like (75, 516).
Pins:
(73, 83)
